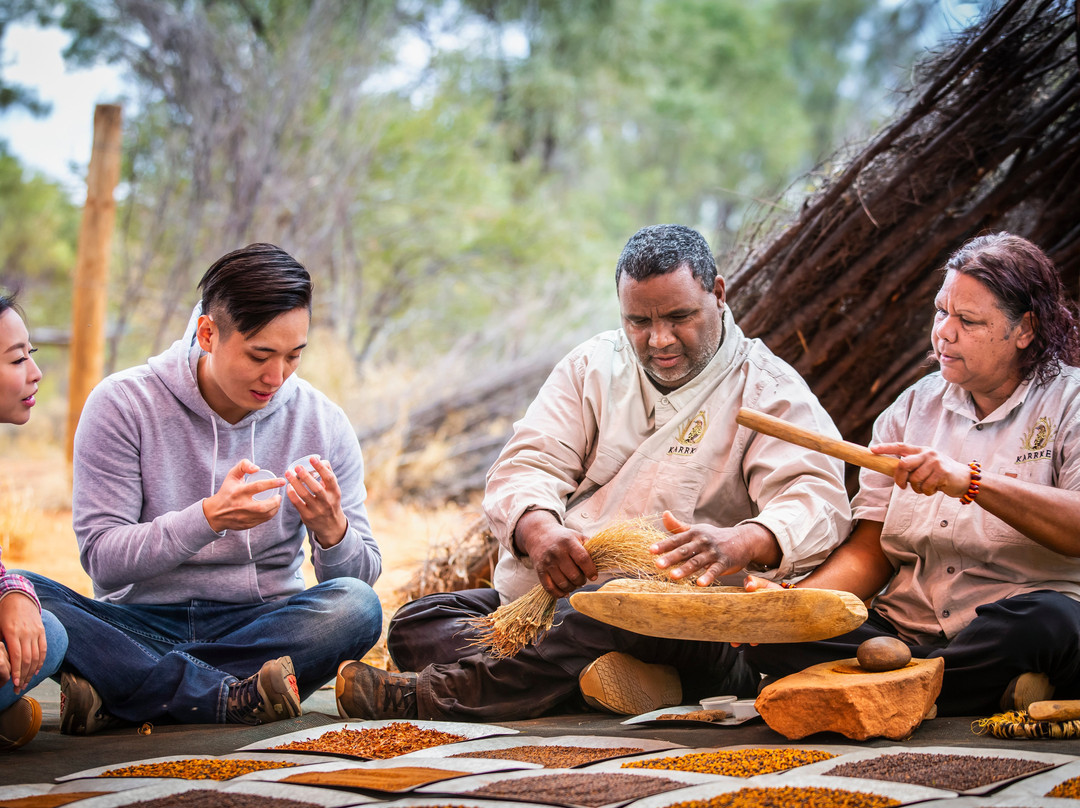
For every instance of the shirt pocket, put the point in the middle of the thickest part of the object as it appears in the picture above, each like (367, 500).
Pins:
(998, 531)
(901, 511)
(603, 468)
(678, 493)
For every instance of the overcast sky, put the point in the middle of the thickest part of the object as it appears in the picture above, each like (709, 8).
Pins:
(58, 144)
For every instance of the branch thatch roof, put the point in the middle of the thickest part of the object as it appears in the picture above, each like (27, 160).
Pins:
(990, 141)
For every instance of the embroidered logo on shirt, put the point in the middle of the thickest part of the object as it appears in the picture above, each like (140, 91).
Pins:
(1036, 442)
(690, 436)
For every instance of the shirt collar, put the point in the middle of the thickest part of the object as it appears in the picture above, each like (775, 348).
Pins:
(957, 399)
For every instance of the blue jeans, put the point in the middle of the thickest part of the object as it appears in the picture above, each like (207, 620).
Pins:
(56, 641)
(175, 662)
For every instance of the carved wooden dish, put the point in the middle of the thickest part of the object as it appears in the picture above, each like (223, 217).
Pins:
(722, 613)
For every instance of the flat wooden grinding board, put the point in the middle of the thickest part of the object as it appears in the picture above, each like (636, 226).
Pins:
(722, 613)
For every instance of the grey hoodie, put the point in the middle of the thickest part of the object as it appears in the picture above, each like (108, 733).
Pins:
(148, 449)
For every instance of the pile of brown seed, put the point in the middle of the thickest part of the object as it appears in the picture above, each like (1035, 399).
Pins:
(387, 741)
(555, 757)
(593, 789)
(218, 799)
(734, 762)
(196, 768)
(48, 800)
(696, 715)
(398, 778)
(954, 772)
(805, 797)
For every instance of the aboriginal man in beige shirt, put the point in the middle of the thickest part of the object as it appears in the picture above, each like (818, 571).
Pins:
(634, 422)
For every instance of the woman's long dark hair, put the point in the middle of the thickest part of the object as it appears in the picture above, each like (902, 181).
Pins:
(1024, 279)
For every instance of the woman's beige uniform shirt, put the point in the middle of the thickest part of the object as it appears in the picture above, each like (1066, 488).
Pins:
(601, 443)
(949, 557)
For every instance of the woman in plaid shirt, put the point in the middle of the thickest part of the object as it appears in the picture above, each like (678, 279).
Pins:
(32, 642)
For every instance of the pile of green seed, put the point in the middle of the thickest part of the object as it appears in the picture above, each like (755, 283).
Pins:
(735, 762)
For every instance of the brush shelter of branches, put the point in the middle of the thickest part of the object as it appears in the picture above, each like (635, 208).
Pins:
(990, 141)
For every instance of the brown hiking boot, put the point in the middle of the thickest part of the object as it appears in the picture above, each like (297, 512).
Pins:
(269, 695)
(81, 710)
(366, 692)
(19, 723)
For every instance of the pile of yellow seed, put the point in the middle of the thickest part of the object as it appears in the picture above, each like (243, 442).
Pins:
(805, 797)
(735, 762)
(1069, 789)
(197, 769)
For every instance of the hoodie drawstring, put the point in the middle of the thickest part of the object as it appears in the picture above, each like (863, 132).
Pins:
(247, 533)
(213, 473)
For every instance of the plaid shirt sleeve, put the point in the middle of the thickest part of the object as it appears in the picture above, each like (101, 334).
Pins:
(10, 582)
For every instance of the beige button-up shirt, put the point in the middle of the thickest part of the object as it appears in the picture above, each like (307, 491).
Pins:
(601, 443)
(950, 558)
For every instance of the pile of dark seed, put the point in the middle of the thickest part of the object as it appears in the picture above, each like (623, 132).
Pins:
(203, 798)
(597, 788)
(954, 772)
(554, 757)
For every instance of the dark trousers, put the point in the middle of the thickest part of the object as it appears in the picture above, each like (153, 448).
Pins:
(456, 682)
(1035, 632)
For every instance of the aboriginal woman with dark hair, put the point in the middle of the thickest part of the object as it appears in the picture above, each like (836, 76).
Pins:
(971, 552)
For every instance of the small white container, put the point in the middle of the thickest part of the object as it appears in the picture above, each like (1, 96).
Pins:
(261, 474)
(266, 474)
(742, 709)
(306, 463)
(718, 703)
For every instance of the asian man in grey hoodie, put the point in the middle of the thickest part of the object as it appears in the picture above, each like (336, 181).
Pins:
(193, 538)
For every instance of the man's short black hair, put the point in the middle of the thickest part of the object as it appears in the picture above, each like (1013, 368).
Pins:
(663, 248)
(247, 288)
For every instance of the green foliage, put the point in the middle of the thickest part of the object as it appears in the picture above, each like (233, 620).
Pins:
(38, 234)
(483, 199)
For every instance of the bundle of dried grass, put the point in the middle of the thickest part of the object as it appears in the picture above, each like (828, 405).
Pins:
(1018, 724)
(622, 547)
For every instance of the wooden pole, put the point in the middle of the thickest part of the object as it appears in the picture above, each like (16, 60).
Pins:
(87, 362)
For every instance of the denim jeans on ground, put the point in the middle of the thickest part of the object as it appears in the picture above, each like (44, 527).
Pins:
(175, 662)
(56, 644)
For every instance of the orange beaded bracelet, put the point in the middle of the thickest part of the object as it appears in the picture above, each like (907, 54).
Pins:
(973, 486)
